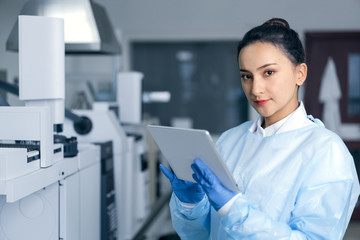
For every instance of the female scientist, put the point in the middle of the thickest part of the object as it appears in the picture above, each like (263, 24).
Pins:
(297, 179)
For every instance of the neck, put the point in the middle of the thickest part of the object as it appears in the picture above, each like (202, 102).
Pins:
(290, 108)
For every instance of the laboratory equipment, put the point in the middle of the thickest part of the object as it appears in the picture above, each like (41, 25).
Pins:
(27, 139)
(131, 173)
(129, 96)
(32, 217)
(87, 26)
(42, 81)
(109, 223)
(42, 193)
(79, 197)
(28, 130)
(138, 177)
(68, 208)
(106, 127)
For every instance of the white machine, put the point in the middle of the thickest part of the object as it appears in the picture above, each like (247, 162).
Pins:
(138, 175)
(131, 177)
(27, 145)
(129, 99)
(29, 129)
(129, 96)
(41, 64)
(105, 127)
(79, 197)
(42, 194)
(67, 209)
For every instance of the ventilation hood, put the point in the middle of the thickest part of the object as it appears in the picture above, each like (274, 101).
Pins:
(88, 29)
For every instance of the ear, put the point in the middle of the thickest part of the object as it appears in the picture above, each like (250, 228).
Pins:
(301, 74)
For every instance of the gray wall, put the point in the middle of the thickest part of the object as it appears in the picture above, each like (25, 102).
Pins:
(224, 19)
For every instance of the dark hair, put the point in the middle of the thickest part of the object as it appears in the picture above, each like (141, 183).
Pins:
(278, 32)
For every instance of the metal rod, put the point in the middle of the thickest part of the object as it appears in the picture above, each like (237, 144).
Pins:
(72, 116)
(8, 87)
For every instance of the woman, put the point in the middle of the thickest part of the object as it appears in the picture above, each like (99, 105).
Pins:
(297, 179)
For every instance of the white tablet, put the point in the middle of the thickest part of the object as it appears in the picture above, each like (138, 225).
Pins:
(180, 146)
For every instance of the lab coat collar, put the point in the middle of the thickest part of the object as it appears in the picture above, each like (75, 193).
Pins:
(295, 120)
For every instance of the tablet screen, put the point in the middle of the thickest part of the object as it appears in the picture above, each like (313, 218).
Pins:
(180, 146)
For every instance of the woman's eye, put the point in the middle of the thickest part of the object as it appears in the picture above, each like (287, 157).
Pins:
(269, 72)
(245, 77)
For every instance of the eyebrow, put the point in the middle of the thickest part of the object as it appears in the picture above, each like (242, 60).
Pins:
(263, 66)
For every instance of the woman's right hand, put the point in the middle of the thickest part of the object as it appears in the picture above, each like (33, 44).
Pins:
(186, 192)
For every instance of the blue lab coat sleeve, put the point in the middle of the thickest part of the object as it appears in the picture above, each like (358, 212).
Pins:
(191, 223)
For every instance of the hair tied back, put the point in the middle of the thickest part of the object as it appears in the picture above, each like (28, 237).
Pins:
(277, 22)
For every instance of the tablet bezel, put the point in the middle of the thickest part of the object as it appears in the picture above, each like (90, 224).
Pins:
(180, 146)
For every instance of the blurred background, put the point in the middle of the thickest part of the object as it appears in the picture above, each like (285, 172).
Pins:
(185, 52)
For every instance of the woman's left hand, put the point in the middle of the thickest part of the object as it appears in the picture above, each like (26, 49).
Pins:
(218, 194)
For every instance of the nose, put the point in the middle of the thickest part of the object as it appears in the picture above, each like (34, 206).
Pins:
(257, 87)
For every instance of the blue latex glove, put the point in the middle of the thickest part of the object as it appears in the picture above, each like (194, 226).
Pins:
(218, 194)
(187, 192)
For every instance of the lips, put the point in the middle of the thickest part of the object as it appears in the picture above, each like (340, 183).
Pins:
(261, 102)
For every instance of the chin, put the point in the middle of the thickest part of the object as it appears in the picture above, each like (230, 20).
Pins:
(262, 110)
(263, 113)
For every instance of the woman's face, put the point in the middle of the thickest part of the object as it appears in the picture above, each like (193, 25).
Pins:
(270, 80)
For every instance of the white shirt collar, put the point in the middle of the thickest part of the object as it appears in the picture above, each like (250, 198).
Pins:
(295, 120)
